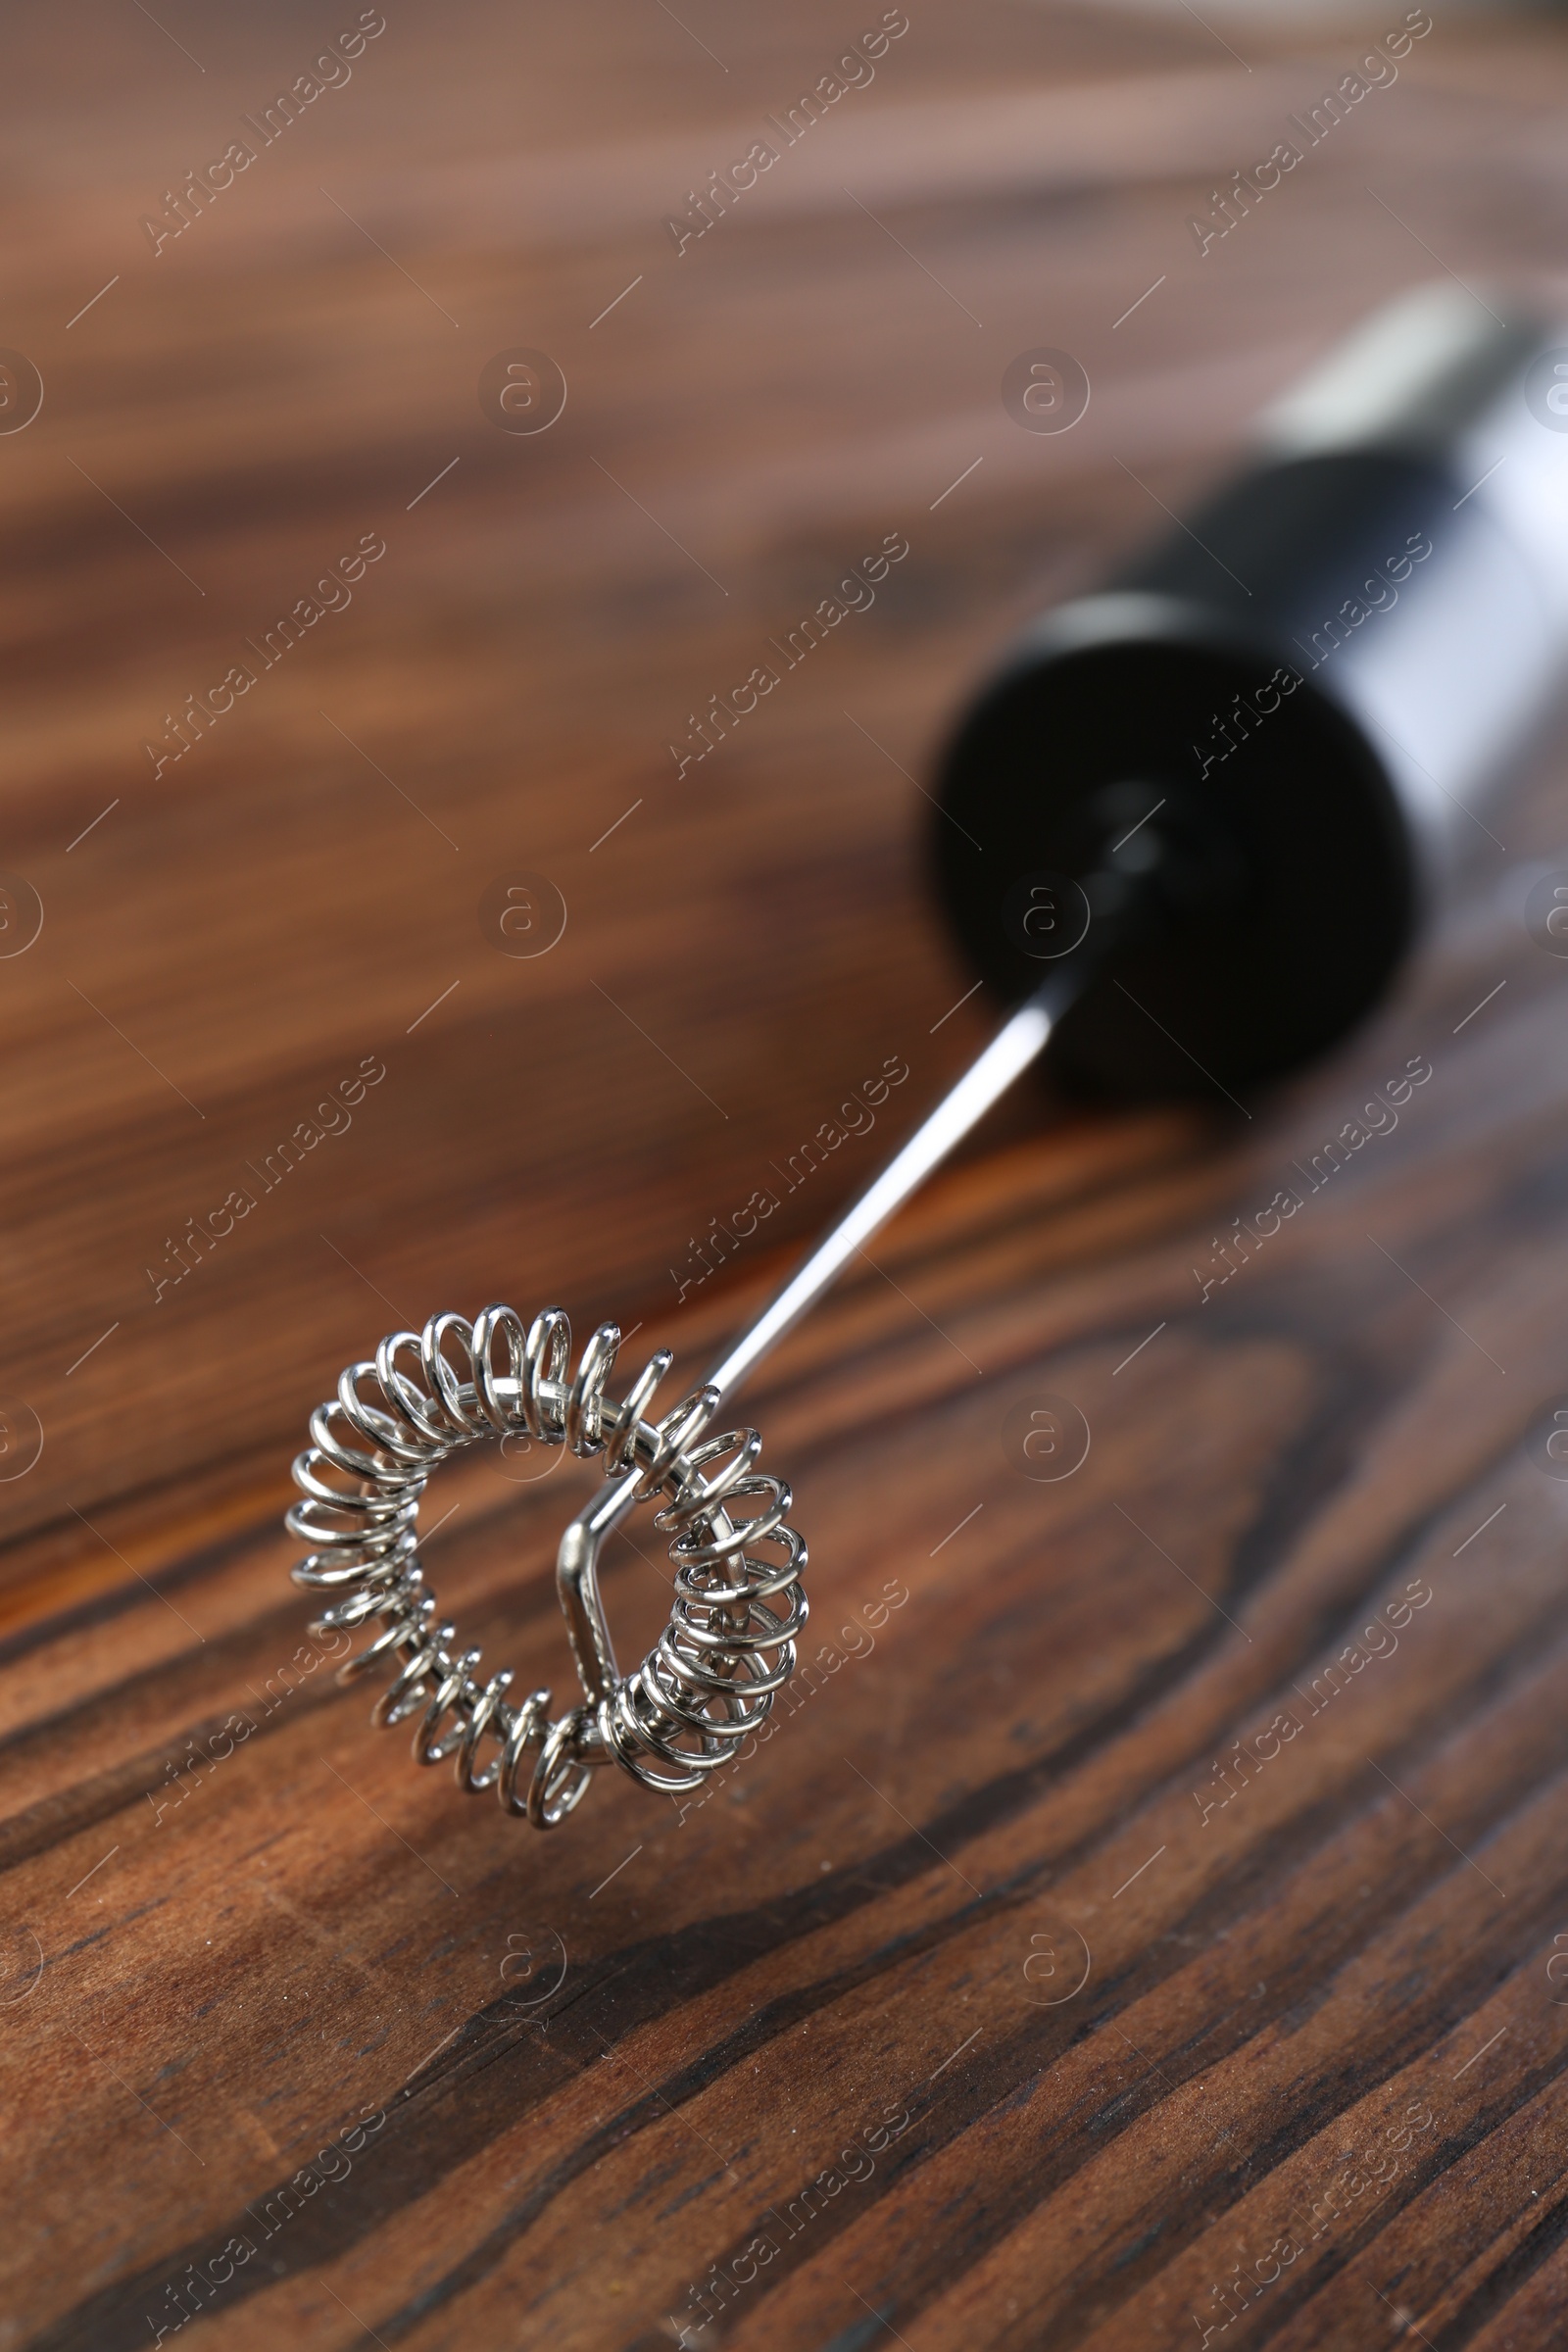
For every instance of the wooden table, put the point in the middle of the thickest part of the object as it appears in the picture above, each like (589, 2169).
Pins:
(1035, 1984)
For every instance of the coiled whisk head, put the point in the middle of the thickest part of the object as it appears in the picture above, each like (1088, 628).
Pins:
(729, 1645)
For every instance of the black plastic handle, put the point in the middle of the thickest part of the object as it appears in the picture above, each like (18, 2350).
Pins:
(1303, 694)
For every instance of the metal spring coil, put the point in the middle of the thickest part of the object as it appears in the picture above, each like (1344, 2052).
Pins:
(729, 1645)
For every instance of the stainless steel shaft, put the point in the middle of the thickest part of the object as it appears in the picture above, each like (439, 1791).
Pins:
(1017, 1043)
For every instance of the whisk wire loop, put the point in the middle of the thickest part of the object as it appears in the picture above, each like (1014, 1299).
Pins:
(709, 1679)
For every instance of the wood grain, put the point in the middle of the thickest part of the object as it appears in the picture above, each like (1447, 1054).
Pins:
(1026, 1987)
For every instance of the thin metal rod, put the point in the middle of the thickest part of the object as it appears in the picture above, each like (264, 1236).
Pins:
(1010, 1053)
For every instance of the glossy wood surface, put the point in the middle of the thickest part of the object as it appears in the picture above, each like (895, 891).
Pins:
(1033, 1985)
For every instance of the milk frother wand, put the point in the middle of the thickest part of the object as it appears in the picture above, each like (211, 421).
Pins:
(1185, 831)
